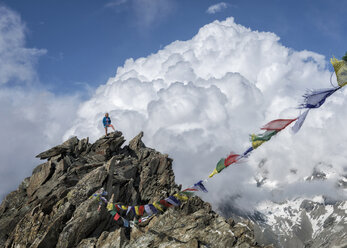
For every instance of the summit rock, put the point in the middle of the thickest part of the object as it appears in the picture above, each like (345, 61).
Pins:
(53, 208)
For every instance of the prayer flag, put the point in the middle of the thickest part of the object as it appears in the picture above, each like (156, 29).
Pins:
(340, 67)
(259, 139)
(116, 217)
(110, 206)
(187, 193)
(154, 210)
(128, 211)
(141, 210)
(137, 210)
(165, 203)
(219, 167)
(200, 186)
(278, 124)
(264, 136)
(316, 98)
(181, 196)
(300, 121)
(125, 222)
(246, 153)
(172, 200)
(158, 206)
(113, 213)
(256, 144)
(232, 158)
(190, 189)
(223, 163)
(148, 210)
(124, 207)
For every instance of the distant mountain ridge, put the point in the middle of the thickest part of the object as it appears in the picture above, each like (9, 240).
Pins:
(300, 222)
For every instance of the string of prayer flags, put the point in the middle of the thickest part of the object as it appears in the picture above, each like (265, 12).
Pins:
(300, 121)
(340, 67)
(316, 98)
(223, 163)
(277, 125)
(151, 209)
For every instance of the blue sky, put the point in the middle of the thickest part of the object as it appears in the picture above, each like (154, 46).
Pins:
(87, 40)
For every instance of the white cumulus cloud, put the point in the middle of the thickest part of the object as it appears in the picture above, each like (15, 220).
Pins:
(217, 8)
(197, 100)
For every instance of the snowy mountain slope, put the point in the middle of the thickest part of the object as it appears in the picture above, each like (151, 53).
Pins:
(305, 221)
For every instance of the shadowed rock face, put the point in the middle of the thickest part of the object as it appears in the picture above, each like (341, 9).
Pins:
(52, 207)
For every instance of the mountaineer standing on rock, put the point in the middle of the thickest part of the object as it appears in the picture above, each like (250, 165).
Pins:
(107, 123)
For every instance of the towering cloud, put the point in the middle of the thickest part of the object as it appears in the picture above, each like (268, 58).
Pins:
(199, 99)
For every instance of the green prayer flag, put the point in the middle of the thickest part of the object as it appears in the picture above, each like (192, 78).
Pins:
(264, 136)
(220, 165)
(189, 194)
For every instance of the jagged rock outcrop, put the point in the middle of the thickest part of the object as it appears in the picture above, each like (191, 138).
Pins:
(52, 208)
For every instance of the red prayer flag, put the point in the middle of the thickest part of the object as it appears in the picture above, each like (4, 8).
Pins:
(165, 203)
(278, 124)
(189, 189)
(232, 158)
(116, 217)
(141, 210)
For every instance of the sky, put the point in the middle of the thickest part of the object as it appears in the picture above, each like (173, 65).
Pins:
(196, 76)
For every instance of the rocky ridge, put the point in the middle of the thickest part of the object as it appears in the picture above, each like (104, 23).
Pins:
(52, 208)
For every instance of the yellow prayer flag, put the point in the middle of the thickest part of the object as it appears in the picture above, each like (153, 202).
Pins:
(124, 207)
(110, 206)
(340, 67)
(181, 197)
(157, 206)
(214, 172)
(257, 143)
(137, 210)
